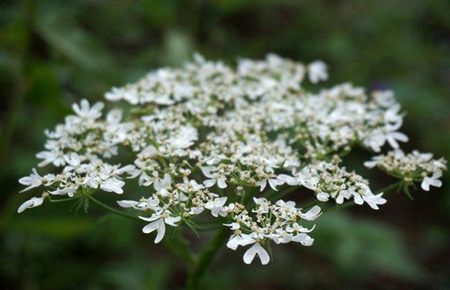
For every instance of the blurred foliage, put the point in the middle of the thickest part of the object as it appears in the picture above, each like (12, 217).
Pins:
(53, 53)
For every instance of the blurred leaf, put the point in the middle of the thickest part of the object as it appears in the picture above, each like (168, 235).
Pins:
(60, 227)
(178, 47)
(360, 246)
(135, 275)
(63, 34)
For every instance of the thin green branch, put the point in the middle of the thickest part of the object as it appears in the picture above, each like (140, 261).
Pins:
(62, 199)
(179, 246)
(273, 195)
(206, 257)
(111, 209)
(175, 243)
(211, 249)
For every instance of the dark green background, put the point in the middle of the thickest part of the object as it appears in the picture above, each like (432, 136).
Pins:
(53, 53)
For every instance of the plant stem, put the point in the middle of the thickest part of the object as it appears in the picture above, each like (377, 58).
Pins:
(62, 199)
(111, 209)
(279, 194)
(179, 246)
(210, 250)
(206, 257)
(175, 243)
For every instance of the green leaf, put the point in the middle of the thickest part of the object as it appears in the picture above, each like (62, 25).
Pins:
(359, 247)
(65, 37)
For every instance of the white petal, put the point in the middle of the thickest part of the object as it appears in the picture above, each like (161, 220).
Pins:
(358, 199)
(436, 183)
(221, 182)
(290, 180)
(209, 182)
(172, 220)
(322, 196)
(127, 203)
(303, 239)
(26, 180)
(312, 214)
(161, 231)
(112, 185)
(262, 254)
(249, 255)
(273, 183)
(157, 225)
(233, 242)
(371, 163)
(374, 200)
(262, 184)
(256, 249)
(149, 151)
(425, 184)
(151, 227)
(33, 202)
(150, 219)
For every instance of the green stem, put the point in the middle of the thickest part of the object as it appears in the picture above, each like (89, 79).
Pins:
(211, 249)
(62, 199)
(179, 246)
(111, 209)
(206, 257)
(311, 203)
(175, 243)
(279, 194)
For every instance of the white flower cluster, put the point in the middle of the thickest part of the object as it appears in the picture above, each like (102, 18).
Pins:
(278, 222)
(221, 139)
(411, 167)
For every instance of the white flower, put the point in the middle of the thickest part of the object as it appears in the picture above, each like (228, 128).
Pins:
(239, 239)
(127, 203)
(150, 152)
(411, 167)
(392, 138)
(112, 184)
(290, 180)
(69, 191)
(161, 185)
(312, 214)
(143, 204)
(303, 239)
(33, 202)
(214, 177)
(185, 138)
(241, 128)
(377, 139)
(432, 181)
(85, 111)
(217, 207)
(256, 250)
(373, 200)
(32, 181)
(322, 196)
(317, 71)
(273, 183)
(158, 224)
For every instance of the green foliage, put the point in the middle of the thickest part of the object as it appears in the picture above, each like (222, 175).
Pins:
(369, 247)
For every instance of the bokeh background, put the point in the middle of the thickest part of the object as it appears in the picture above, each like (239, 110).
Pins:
(53, 53)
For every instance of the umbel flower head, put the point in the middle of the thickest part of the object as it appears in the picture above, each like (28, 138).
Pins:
(229, 142)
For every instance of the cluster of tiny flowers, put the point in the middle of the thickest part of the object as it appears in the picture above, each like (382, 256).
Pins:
(228, 141)
(412, 167)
